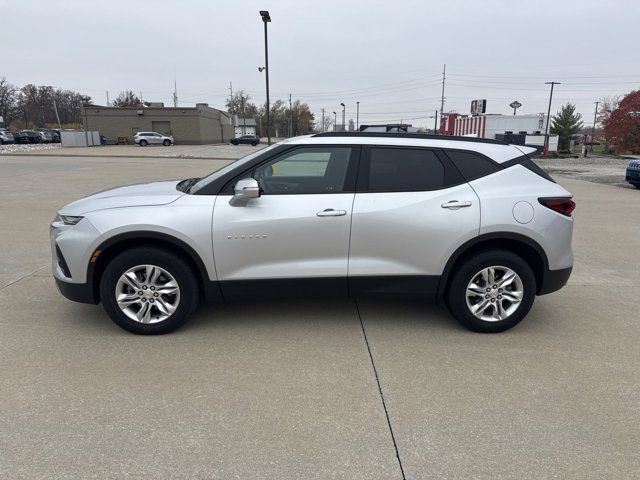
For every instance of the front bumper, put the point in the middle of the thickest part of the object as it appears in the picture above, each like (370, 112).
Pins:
(76, 292)
(633, 176)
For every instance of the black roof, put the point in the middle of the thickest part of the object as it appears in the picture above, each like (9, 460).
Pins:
(423, 136)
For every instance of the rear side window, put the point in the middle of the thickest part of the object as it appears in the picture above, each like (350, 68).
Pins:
(526, 162)
(472, 165)
(404, 170)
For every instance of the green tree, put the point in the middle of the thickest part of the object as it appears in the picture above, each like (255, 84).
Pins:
(566, 123)
(127, 99)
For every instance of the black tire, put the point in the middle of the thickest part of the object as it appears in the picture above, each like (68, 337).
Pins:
(143, 143)
(166, 143)
(254, 144)
(637, 185)
(456, 297)
(174, 264)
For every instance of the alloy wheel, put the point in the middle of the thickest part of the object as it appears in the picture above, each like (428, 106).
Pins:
(147, 294)
(494, 293)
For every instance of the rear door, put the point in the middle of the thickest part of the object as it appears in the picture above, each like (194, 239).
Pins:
(412, 209)
(295, 236)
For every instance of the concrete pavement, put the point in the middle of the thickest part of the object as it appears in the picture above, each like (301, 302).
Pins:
(288, 389)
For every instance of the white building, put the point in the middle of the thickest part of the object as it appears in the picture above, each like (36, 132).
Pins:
(245, 126)
(490, 125)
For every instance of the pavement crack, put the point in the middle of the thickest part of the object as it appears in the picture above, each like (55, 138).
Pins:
(384, 404)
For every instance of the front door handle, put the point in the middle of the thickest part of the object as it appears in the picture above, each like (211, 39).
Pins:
(330, 212)
(455, 204)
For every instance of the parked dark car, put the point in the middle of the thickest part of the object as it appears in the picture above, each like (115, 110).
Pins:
(34, 137)
(20, 137)
(55, 135)
(246, 140)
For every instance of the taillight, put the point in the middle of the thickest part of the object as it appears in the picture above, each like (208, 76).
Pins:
(562, 205)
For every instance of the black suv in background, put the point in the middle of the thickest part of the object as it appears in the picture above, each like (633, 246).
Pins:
(246, 140)
(55, 135)
(21, 137)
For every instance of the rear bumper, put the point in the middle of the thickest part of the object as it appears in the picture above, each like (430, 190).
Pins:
(76, 292)
(553, 280)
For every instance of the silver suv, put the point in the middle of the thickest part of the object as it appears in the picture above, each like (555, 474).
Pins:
(474, 223)
(149, 138)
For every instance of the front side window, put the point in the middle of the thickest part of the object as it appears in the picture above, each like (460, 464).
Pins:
(305, 170)
(404, 170)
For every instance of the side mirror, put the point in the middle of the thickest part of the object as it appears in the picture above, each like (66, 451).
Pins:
(245, 190)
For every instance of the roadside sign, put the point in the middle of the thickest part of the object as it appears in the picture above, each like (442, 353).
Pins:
(515, 105)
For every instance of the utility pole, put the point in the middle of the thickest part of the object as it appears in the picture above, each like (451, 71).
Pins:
(108, 103)
(444, 71)
(357, 116)
(344, 107)
(593, 129)
(175, 93)
(435, 123)
(323, 124)
(55, 108)
(290, 118)
(335, 120)
(244, 119)
(266, 18)
(141, 101)
(230, 91)
(546, 129)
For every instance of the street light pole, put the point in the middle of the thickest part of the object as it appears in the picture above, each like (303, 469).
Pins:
(357, 115)
(343, 124)
(335, 120)
(593, 129)
(435, 123)
(266, 19)
(546, 130)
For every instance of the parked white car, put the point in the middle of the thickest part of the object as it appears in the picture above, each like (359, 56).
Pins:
(150, 138)
(473, 222)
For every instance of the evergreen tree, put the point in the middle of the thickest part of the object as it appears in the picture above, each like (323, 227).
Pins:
(566, 123)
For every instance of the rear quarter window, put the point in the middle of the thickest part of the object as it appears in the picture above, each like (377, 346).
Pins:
(529, 164)
(472, 165)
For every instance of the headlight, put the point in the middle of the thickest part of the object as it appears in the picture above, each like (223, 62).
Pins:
(68, 219)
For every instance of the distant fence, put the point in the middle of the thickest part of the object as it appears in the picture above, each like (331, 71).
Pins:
(80, 139)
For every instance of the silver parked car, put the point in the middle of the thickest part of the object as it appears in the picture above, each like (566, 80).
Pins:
(6, 136)
(475, 223)
(149, 138)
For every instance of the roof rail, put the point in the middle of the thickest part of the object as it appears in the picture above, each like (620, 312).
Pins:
(423, 136)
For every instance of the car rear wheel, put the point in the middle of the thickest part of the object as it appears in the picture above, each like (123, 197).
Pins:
(149, 291)
(166, 143)
(491, 291)
(143, 143)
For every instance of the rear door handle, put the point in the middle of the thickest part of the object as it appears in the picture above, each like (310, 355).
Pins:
(330, 212)
(455, 204)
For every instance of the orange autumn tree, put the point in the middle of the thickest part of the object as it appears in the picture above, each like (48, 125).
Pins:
(622, 128)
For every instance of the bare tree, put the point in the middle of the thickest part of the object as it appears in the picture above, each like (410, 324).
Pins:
(8, 101)
(127, 99)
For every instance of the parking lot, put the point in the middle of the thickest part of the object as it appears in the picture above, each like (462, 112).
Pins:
(279, 390)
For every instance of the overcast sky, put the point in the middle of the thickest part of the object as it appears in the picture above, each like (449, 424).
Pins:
(386, 54)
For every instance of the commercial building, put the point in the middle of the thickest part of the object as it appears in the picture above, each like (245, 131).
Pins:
(518, 129)
(197, 125)
(245, 126)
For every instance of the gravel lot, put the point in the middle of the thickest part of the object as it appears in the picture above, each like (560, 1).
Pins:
(28, 148)
(604, 169)
(279, 390)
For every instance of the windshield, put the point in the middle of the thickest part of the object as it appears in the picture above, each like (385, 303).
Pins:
(227, 168)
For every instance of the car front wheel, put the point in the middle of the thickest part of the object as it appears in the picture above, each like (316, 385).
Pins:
(166, 143)
(491, 291)
(143, 143)
(149, 291)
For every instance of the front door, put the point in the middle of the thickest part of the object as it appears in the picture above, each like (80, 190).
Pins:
(295, 237)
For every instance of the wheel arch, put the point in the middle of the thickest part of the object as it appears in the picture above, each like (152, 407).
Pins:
(529, 250)
(117, 244)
